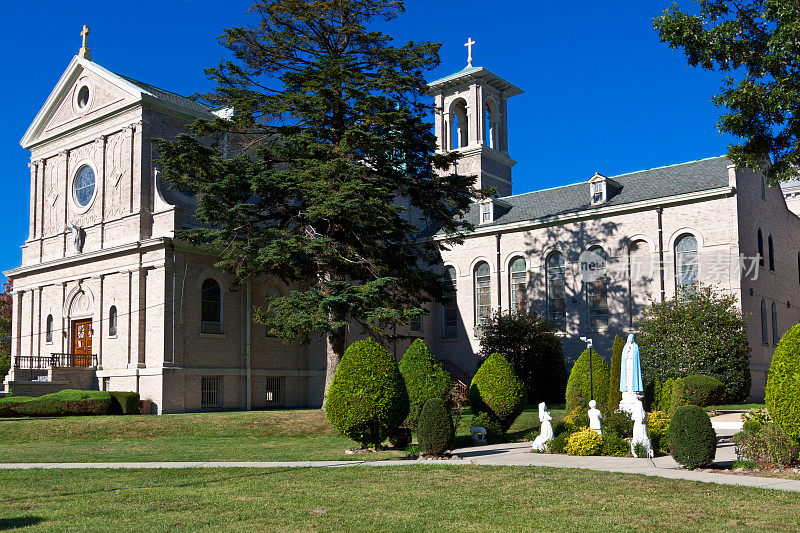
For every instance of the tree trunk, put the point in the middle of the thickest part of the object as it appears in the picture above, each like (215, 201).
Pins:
(334, 350)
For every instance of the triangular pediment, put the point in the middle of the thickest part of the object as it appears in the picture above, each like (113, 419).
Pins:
(84, 93)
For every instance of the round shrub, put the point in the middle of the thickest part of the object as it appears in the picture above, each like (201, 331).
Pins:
(614, 445)
(579, 384)
(435, 429)
(367, 399)
(495, 434)
(497, 389)
(703, 390)
(783, 384)
(558, 443)
(614, 394)
(424, 378)
(691, 437)
(584, 442)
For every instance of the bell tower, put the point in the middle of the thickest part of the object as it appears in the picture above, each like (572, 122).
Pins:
(472, 119)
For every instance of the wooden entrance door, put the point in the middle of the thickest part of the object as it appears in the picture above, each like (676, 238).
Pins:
(82, 342)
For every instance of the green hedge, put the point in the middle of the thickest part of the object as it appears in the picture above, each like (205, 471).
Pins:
(783, 384)
(367, 399)
(677, 396)
(498, 390)
(614, 394)
(691, 437)
(578, 386)
(703, 390)
(435, 429)
(124, 403)
(424, 378)
(68, 402)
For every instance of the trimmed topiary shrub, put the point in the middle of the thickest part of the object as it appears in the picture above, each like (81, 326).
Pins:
(367, 399)
(495, 434)
(614, 394)
(124, 403)
(677, 396)
(435, 429)
(497, 389)
(703, 390)
(700, 331)
(783, 384)
(691, 437)
(69, 402)
(424, 378)
(584, 442)
(532, 345)
(578, 386)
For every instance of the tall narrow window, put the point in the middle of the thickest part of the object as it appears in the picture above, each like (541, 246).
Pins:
(48, 332)
(686, 261)
(415, 325)
(459, 135)
(556, 290)
(112, 321)
(760, 248)
(518, 284)
(774, 324)
(764, 327)
(211, 392)
(449, 305)
(483, 294)
(640, 266)
(597, 298)
(771, 253)
(211, 307)
(490, 132)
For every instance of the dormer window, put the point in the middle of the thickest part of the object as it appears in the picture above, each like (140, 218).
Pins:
(602, 189)
(486, 212)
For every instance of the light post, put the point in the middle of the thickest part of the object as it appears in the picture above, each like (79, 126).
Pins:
(588, 342)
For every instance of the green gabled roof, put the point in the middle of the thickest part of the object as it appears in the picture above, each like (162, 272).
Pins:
(462, 72)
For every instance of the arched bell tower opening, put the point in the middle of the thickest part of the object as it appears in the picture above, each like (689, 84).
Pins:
(472, 118)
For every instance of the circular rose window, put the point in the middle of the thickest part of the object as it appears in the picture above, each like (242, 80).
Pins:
(83, 187)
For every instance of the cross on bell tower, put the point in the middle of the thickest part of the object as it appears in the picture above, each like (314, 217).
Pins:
(84, 53)
(472, 118)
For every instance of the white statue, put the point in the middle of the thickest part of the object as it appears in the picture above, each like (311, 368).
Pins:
(546, 435)
(640, 429)
(595, 418)
(630, 375)
(77, 237)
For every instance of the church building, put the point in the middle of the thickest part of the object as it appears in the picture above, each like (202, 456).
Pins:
(106, 297)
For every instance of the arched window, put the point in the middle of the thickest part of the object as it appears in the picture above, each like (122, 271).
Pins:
(639, 276)
(774, 324)
(48, 332)
(597, 297)
(459, 127)
(112, 321)
(760, 248)
(517, 286)
(449, 305)
(483, 293)
(764, 327)
(556, 290)
(771, 253)
(685, 261)
(490, 132)
(211, 307)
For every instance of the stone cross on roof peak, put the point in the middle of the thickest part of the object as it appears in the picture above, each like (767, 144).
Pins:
(84, 51)
(469, 44)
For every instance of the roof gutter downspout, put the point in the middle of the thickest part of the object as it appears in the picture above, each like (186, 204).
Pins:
(660, 212)
(499, 278)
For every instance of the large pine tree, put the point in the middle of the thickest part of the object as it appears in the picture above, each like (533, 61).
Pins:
(332, 152)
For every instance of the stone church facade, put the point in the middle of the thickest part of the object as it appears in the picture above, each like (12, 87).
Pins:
(106, 297)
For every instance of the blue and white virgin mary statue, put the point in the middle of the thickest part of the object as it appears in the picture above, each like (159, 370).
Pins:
(630, 375)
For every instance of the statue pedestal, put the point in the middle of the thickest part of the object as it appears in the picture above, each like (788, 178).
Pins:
(629, 400)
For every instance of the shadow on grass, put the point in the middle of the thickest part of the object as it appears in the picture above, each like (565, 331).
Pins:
(20, 521)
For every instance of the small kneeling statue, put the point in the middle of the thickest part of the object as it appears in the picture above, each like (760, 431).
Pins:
(595, 417)
(546, 435)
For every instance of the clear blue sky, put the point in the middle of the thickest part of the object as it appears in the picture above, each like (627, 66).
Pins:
(601, 93)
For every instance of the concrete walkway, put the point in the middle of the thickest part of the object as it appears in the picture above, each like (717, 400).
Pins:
(515, 454)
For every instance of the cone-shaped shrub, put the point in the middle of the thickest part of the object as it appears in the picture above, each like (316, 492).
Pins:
(691, 437)
(435, 429)
(424, 377)
(579, 384)
(498, 390)
(367, 398)
(783, 384)
(614, 394)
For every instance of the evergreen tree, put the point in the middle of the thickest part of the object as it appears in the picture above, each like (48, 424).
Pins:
(614, 394)
(331, 155)
(425, 378)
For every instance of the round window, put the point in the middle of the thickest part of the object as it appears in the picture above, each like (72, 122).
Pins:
(84, 186)
(83, 97)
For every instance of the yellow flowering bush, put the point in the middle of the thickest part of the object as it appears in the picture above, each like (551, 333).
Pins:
(584, 442)
(657, 425)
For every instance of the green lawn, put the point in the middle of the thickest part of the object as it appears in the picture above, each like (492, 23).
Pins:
(241, 436)
(403, 498)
